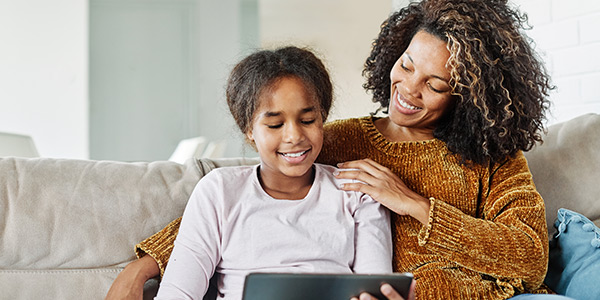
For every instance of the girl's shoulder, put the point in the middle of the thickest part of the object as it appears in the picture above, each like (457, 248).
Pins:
(325, 176)
(230, 173)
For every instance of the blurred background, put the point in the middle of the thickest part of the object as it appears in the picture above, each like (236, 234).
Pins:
(130, 79)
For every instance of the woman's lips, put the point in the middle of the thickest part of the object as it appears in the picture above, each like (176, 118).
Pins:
(405, 107)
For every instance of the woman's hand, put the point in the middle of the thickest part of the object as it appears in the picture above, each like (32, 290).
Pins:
(389, 292)
(129, 284)
(385, 187)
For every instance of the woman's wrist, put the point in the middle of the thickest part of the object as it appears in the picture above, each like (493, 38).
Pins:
(421, 209)
(144, 268)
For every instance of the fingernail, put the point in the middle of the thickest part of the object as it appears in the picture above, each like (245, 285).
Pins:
(339, 165)
(386, 289)
(336, 173)
(365, 297)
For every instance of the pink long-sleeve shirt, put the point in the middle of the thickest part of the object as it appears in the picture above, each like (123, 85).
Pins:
(232, 226)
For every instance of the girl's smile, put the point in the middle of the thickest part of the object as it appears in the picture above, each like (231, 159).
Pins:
(287, 131)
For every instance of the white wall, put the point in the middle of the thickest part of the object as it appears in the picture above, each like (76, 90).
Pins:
(340, 31)
(43, 74)
(567, 35)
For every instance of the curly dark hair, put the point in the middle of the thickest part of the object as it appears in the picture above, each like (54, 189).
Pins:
(499, 83)
(259, 71)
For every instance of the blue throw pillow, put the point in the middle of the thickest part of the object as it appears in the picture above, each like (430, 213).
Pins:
(574, 265)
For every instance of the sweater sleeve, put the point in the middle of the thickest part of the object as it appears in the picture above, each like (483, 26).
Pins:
(160, 245)
(507, 241)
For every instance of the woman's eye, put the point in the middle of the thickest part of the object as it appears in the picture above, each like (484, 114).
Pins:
(275, 126)
(308, 122)
(434, 89)
(404, 67)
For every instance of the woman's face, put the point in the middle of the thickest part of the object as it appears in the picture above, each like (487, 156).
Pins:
(420, 93)
(287, 130)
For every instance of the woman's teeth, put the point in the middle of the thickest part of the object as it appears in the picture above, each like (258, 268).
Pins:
(297, 154)
(406, 105)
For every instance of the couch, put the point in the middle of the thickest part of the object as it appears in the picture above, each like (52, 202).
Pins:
(68, 227)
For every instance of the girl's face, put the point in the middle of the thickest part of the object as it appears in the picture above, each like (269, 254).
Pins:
(420, 93)
(287, 130)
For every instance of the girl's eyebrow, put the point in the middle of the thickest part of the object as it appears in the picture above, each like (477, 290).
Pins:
(431, 75)
(278, 113)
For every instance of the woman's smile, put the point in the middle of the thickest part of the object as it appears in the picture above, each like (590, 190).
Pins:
(405, 106)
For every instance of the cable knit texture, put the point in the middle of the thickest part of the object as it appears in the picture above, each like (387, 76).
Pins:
(486, 237)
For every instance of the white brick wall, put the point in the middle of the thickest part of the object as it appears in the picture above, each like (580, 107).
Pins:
(567, 37)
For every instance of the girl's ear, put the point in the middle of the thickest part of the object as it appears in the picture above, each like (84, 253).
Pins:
(249, 135)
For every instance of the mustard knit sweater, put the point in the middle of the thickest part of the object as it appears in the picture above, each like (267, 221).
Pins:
(486, 237)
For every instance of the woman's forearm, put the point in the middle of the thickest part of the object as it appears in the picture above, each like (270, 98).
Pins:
(129, 284)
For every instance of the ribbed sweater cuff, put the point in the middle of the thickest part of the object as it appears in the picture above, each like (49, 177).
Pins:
(160, 245)
(444, 228)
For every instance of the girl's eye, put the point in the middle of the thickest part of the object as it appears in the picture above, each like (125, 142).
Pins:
(275, 126)
(308, 122)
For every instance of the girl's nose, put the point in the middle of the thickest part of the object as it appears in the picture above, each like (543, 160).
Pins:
(293, 133)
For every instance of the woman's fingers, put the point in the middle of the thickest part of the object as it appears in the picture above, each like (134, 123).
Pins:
(389, 292)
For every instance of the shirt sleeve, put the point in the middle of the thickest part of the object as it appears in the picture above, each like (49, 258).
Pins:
(160, 245)
(373, 241)
(197, 248)
(508, 241)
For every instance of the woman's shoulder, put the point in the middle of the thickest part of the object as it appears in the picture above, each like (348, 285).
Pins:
(346, 130)
(342, 124)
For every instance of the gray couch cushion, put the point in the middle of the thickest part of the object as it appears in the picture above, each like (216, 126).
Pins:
(66, 214)
(566, 168)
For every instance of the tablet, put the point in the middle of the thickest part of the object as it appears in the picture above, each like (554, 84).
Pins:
(303, 286)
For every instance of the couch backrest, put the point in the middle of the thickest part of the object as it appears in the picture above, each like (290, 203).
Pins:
(566, 168)
(66, 214)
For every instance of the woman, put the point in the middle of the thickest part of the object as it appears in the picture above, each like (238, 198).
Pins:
(464, 95)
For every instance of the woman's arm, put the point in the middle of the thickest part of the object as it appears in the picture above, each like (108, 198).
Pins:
(160, 245)
(129, 284)
(153, 254)
(507, 240)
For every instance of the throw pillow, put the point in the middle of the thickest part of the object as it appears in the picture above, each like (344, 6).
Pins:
(574, 265)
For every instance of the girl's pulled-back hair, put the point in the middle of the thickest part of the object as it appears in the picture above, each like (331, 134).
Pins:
(499, 84)
(258, 72)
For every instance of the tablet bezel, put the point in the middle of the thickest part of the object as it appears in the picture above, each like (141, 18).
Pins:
(297, 286)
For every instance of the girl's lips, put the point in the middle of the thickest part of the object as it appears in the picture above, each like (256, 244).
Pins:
(403, 106)
(295, 157)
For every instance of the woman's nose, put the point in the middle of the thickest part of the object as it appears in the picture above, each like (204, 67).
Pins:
(410, 86)
(407, 82)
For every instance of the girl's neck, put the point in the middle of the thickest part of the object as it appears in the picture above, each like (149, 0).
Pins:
(286, 188)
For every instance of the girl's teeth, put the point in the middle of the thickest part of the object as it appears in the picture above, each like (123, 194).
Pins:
(406, 105)
(294, 154)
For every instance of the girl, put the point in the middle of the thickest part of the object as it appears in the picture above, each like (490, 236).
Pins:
(285, 214)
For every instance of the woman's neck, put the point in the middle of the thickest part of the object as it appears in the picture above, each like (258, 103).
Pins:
(396, 133)
(287, 188)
